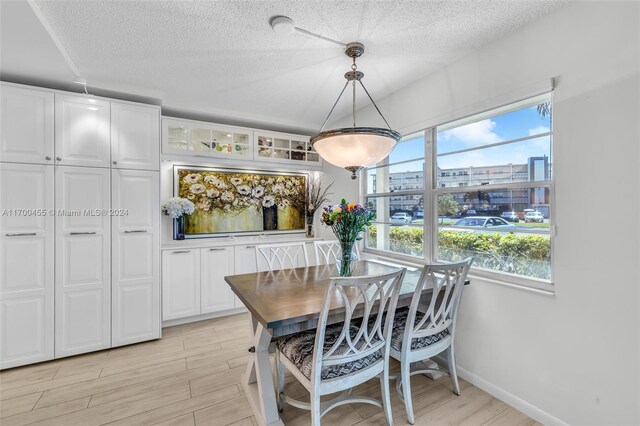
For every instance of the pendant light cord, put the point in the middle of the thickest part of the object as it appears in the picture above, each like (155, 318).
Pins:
(334, 106)
(374, 104)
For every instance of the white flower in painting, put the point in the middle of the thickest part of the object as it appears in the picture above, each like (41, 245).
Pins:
(235, 203)
(227, 207)
(287, 192)
(191, 178)
(210, 179)
(227, 196)
(289, 184)
(204, 206)
(213, 193)
(221, 185)
(191, 196)
(268, 201)
(236, 181)
(263, 182)
(243, 190)
(278, 188)
(258, 191)
(197, 188)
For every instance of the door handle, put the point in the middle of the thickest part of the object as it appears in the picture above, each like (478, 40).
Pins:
(250, 247)
(136, 231)
(22, 234)
(82, 233)
(216, 249)
(181, 251)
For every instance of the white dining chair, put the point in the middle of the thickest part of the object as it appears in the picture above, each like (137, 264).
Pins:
(432, 328)
(282, 255)
(338, 357)
(327, 250)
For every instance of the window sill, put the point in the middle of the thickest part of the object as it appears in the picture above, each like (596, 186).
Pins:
(515, 282)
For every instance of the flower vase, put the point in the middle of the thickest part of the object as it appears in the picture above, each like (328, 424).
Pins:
(346, 258)
(178, 228)
(310, 231)
(270, 218)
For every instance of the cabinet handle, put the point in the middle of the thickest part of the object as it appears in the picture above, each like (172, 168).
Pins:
(181, 251)
(136, 231)
(58, 158)
(47, 158)
(82, 233)
(216, 249)
(250, 247)
(115, 162)
(22, 234)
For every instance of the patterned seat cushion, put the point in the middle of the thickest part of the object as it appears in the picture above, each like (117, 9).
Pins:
(299, 347)
(398, 332)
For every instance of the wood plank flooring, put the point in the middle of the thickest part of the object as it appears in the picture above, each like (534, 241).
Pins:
(192, 377)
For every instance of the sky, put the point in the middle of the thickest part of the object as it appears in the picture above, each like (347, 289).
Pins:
(510, 125)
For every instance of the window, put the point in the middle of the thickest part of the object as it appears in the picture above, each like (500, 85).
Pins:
(475, 169)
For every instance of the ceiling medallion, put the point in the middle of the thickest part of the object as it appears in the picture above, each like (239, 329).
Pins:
(354, 148)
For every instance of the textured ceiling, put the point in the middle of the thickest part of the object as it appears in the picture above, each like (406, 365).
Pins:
(222, 58)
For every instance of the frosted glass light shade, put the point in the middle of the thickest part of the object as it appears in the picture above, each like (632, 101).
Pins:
(355, 147)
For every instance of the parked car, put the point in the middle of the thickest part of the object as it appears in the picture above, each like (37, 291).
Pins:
(510, 216)
(486, 223)
(401, 217)
(534, 216)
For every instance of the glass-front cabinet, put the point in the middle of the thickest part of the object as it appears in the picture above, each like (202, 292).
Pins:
(284, 148)
(187, 137)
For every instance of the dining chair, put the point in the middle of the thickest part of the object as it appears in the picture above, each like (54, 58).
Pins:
(282, 255)
(338, 357)
(432, 329)
(327, 250)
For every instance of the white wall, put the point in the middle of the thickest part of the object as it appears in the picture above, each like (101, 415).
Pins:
(575, 356)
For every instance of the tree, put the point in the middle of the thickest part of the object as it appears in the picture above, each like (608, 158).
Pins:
(544, 109)
(447, 205)
(478, 195)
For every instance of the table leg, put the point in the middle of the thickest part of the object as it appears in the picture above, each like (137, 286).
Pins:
(258, 379)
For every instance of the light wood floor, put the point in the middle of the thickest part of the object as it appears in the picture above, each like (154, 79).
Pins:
(192, 376)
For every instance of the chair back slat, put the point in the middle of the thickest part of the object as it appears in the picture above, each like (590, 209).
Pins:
(360, 335)
(327, 250)
(447, 282)
(282, 255)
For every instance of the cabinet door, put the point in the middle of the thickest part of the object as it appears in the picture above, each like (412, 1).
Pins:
(82, 131)
(180, 283)
(135, 136)
(83, 285)
(135, 254)
(216, 295)
(26, 125)
(26, 264)
(245, 263)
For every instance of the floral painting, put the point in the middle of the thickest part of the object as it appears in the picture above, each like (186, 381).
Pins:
(231, 201)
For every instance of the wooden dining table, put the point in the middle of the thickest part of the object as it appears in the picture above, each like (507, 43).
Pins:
(287, 301)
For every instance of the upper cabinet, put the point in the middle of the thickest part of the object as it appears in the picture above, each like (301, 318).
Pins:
(26, 125)
(195, 138)
(186, 137)
(284, 148)
(135, 136)
(82, 131)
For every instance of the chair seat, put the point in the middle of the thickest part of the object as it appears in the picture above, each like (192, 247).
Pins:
(299, 347)
(417, 343)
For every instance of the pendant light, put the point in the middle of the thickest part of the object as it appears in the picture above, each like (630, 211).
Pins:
(354, 147)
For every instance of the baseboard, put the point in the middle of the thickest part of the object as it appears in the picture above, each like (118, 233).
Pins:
(530, 410)
(196, 318)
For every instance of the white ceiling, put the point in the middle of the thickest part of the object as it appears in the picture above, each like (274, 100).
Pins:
(221, 58)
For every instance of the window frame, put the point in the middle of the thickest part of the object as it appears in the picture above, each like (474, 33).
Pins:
(431, 191)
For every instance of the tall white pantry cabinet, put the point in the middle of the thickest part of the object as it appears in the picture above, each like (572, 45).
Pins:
(79, 224)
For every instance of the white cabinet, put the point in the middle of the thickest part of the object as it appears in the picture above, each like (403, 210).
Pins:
(180, 283)
(135, 136)
(26, 264)
(285, 148)
(83, 285)
(135, 283)
(215, 293)
(82, 126)
(188, 137)
(26, 125)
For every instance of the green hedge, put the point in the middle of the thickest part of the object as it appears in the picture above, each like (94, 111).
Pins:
(527, 255)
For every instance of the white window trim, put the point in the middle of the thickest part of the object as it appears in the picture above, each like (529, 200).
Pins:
(430, 191)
